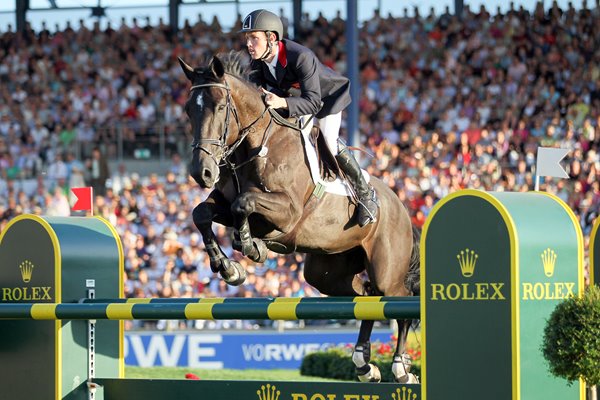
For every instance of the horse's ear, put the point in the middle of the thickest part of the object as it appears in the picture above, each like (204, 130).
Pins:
(216, 65)
(189, 71)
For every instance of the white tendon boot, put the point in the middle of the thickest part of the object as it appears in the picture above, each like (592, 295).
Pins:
(365, 371)
(401, 368)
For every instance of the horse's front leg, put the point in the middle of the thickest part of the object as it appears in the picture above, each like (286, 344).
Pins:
(253, 248)
(276, 208)
(204, 214)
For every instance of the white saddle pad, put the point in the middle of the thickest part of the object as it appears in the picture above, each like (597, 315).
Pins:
(337, 186)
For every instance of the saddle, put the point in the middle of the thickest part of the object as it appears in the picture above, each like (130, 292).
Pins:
(328, 166)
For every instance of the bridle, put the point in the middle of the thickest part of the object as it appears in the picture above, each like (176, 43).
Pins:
(221, 143)
(226, 150)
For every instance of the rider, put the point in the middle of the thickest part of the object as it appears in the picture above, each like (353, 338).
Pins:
(299, 83)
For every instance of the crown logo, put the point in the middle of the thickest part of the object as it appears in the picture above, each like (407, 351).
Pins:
(404, 394)
(549, 261)
(26, 268)
(268, 392)
(467, 260)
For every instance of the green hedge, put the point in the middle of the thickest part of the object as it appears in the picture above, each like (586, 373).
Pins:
(336, 363)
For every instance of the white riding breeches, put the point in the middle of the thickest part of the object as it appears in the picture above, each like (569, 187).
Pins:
(330, 128)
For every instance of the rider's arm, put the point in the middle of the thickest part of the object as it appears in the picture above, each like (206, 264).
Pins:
(309, 102)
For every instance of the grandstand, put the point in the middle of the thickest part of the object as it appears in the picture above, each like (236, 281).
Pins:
(445, 103)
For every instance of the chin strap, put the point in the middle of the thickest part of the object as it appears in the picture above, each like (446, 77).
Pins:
(268, 51)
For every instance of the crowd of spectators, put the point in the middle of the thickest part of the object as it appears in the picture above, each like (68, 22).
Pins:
(445, 103)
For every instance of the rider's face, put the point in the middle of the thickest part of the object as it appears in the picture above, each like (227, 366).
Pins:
(257, 44)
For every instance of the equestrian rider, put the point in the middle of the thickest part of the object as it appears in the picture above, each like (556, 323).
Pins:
(300, 85)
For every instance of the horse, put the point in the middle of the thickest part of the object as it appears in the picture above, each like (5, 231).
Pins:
(262, 187)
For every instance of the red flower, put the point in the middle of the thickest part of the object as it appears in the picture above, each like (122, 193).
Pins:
(384, 348)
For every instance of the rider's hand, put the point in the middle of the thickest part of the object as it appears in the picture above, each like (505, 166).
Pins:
(274, 101)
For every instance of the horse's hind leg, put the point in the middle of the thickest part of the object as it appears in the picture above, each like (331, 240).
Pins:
(338, 275)
(204, 214)
(402, 361)
(361, 355)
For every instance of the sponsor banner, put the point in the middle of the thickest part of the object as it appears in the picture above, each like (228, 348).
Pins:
(183, 389)
(234, 350)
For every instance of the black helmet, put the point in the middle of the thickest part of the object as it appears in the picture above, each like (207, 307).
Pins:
(263, 20)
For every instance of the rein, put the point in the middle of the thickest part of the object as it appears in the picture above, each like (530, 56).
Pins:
(225, 151)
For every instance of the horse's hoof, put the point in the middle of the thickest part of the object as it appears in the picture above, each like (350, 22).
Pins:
(374, 375)
(257, 252)
(261, 249)
(233, 273)
(401, 369)
(407, 379)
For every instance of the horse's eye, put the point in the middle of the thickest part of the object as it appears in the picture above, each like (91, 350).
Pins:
(221, 107)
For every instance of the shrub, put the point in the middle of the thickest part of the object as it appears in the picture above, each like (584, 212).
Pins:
(336, 362)
(572, 338)
(333, 363)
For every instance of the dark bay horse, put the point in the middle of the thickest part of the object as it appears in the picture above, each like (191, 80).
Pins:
(263, 188)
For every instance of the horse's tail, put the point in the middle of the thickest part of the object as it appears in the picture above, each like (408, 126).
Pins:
(413, 277)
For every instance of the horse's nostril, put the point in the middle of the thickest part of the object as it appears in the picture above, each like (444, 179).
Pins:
(206, 173)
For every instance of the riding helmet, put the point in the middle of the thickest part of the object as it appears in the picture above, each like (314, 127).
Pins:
(263, 20)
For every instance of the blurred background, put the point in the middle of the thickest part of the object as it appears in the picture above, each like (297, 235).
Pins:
(447, 95)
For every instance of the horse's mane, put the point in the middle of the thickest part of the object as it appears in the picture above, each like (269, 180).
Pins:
(236, 63)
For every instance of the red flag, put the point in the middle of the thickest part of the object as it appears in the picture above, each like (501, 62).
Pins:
(84, 198)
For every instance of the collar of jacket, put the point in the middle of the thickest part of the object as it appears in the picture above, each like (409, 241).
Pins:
(282, 56)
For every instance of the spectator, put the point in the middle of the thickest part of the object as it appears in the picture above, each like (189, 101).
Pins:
(57, 171)
(98, 171)
(445, 103)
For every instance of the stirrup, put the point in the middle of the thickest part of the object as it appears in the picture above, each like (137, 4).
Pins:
(365, 214)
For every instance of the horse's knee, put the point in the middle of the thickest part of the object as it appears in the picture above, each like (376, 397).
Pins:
(244, 204)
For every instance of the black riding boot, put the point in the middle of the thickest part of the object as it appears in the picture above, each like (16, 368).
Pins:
(367, 208)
